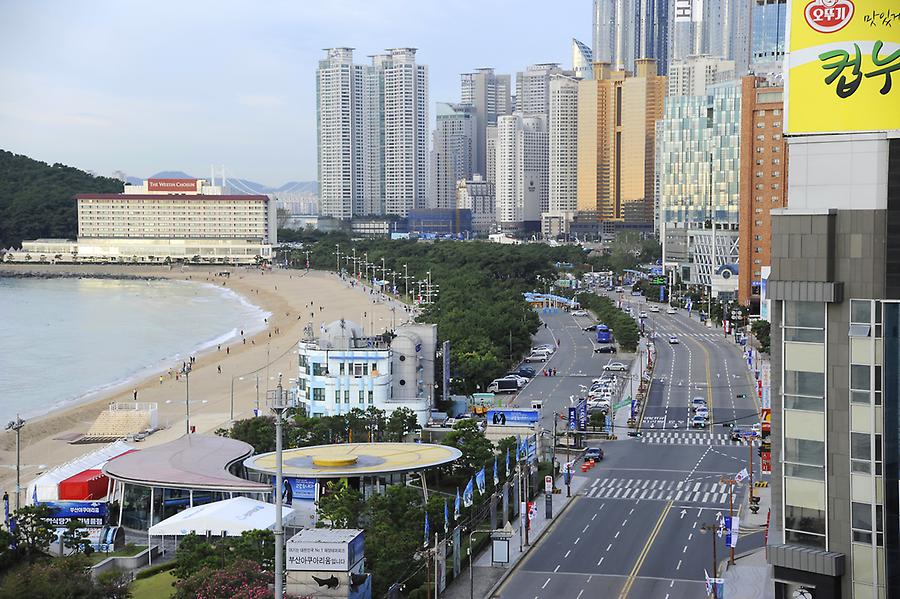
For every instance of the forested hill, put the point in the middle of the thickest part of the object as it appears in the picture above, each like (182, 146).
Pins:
(36, 199)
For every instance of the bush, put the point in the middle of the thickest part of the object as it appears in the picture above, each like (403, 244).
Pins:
(154, 570)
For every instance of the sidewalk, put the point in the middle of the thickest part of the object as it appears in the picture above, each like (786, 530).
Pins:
(751, 577)
(621, 416)
(487, 575)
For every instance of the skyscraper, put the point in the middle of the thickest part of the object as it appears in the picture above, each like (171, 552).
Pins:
(699, 172)
(768, 23)
(763, 176)
(582, 60)
(453, 153)
(533, 88)
(522, 176)
(340, 131)
(617, 116)
(405, 130)
(489, 93)
(604, 31)
(691, 76)
(563, 125)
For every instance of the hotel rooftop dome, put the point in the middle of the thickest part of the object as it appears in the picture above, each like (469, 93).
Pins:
(340, 334)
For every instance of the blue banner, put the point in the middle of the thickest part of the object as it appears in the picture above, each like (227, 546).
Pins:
(662, 293)
(582, 415)
(297, 489)
(479, 480)
(573, 419)
(456, 506)
(76, 509)
(469, 494)
(513, 416)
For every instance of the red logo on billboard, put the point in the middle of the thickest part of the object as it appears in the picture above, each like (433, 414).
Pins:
(766, 466)
(171, 185)
(828, 16)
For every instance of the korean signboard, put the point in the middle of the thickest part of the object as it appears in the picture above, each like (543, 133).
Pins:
(841, 58)
(89, 513)
(513, 416)
(324, 556)
(294, 489)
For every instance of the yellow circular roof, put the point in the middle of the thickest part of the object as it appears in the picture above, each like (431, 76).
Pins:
(355, 459)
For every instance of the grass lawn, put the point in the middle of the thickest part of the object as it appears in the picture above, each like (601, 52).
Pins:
(158, 586)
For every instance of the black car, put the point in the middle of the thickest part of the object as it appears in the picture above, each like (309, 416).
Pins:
(605, 349)
(593, 453)
(591, 327)
(526, 371)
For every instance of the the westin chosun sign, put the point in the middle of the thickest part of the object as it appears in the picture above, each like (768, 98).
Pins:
(171, 185)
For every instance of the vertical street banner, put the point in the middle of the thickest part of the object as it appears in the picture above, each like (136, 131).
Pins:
(573, 419)
(732, 530)
(841, 56)
(582, 415)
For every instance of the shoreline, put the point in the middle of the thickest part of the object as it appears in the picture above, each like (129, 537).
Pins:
(295, 299)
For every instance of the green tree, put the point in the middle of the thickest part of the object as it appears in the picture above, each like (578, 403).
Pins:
(762, 329)
(394, 533)
(401, 422)
(341, 505)
(254, 545)
(476, 449)
(33, 530)
(258, 432)
(114, 584)
(75, 538)
(243, 578)
(61, 577)
(193, 554)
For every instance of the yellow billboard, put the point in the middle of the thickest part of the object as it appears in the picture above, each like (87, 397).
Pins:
(842, 55)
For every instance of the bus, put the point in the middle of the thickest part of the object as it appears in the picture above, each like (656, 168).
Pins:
(604, 335)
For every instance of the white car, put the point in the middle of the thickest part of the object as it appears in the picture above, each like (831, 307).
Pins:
(673, 339)
(642, 315)
(539, 355)
(615, 366)
(580, 313)
(544, 347)
(671, 310)
(654, 308)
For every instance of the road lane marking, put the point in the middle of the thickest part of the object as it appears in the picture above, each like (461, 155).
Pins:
(576, 541)
(608, 547)
(556, 569)
(567, 554)
(600, 562)
(546, 583)
(626, 588)
(584, 530)
(684, 550)
(580, 593)
(617, 534)
(593, 517)
(678, 567)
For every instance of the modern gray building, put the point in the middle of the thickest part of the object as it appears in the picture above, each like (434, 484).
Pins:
(835, 297)
(768, 31)
(455, 139)
(490, 95)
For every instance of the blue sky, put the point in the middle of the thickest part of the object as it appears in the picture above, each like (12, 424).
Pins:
(144, 86)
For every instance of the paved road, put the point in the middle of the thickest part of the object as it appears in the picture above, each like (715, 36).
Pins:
(635, 529)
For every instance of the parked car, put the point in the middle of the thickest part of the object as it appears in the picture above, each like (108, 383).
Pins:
(526, 371)
(590, 328)
(579, 313)
(605, 349)
(673, 339)
(593, 453)
(549, 347)
(538, 355)
(617, 366)
(698, 422)
(671, 310)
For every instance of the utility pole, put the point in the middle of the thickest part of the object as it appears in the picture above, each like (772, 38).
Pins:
(712, 263)
(16, 425)
(406, 278)
(338, 246)
(279, 407)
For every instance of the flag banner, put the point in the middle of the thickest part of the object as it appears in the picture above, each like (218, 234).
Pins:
(496, 477)
(427, 531)
(469, 494)
(446, 518)
(479, 480)
(740, 476)
(507, 463)
(456, 506)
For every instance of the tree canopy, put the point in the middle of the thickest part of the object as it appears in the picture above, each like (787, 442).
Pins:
(37, 199)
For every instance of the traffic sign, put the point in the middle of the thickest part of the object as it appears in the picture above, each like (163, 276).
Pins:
(548, 484)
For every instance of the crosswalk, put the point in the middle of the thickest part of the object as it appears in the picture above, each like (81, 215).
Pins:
(659, 490)
(715, 336)
(688, 438)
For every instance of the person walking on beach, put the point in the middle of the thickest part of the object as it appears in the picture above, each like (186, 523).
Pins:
(220, 369)
(160, 379)
(134, 394)
(227, 351)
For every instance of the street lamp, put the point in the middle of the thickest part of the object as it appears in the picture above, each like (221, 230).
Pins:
(713, 531)
(186, 371)
(279, 406)
(240, 378)
(16, 425)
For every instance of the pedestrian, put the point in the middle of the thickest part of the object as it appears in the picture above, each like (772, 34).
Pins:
(244, 340)
(227, 351)
(220, 368)
(218, 348)
(160, 379)
(134, 394)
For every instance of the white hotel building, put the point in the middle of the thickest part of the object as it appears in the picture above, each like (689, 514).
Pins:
(345, 369)
(164, 220)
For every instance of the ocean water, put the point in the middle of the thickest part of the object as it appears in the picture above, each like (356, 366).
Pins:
(65, 340)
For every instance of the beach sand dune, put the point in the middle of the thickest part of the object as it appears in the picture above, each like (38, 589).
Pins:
(295, 299)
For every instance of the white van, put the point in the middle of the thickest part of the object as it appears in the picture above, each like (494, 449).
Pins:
(538, 355)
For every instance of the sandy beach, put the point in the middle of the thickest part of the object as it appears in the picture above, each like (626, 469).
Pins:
(293, 297)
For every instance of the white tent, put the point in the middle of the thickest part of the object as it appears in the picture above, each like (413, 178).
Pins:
(231, 517)
(46, 486)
